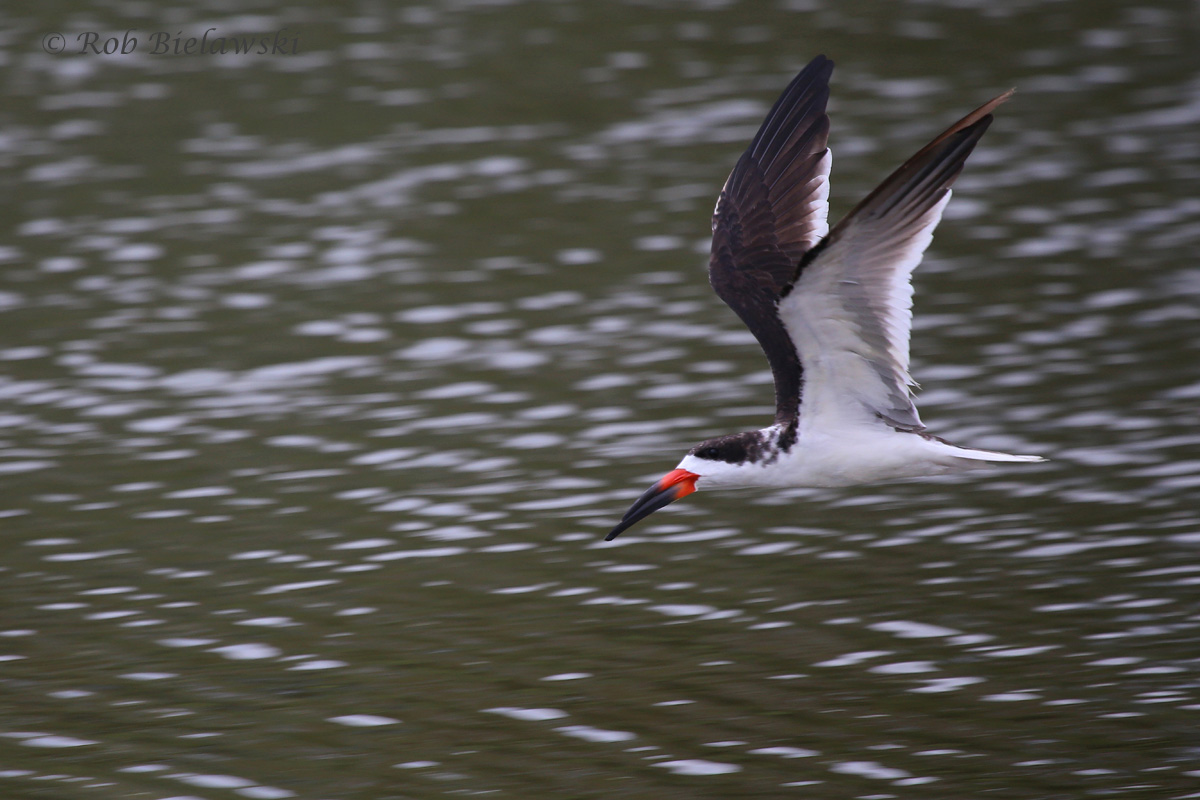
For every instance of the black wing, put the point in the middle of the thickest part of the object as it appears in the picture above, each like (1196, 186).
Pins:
(771, 211)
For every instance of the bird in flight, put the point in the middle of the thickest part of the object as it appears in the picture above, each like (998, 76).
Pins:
(832, 309)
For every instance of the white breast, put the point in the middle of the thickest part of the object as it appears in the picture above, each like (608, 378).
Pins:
(847, 456)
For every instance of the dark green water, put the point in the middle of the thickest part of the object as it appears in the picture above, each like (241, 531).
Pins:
(322, 376)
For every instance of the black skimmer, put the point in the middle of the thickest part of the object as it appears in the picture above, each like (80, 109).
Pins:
(832, 309)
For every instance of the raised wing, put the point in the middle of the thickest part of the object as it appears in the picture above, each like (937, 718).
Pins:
(771, 212)
(849, 309)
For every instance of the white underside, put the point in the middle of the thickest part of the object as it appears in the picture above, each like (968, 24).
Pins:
(862, 454)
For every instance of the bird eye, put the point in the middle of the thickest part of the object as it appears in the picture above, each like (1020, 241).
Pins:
(709, 453)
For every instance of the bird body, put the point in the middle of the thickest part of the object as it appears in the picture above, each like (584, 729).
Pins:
(841, 457)
(832, 309)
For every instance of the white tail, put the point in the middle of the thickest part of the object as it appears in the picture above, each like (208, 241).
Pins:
(988, 455)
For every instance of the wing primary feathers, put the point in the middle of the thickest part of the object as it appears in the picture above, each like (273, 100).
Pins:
(772, 210)
(814, 79)
(920, 182)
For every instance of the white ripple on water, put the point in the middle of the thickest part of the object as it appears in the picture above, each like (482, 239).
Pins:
(456, 533)
(1010, 697)
(69, 557)
(364, 720)
(28, 465)
(940, 685)
(1071, 548)
(698, 767)
(683, 610)
(149, 676)
(595, 735)
(527, 714)
(297, 586)
(243, 786)
(437, 314)
(49, 740)
(993, 651)
(186, 642)
(251, 651)
(870, 769)
(318, 664)
(269, 622)
(718, 121)
(429, 552)
(904, 668)
(785, 752)
(363, 544)
(853, 659)
(579, 255)
(398, 189)
(537, 587)
(904, 629)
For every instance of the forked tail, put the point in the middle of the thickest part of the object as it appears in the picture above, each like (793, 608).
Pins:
(954, 451)
(989, 455)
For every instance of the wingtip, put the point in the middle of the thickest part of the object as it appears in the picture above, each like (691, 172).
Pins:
(819, 68)
(983, 111)
(979, 117)
(1003, 97)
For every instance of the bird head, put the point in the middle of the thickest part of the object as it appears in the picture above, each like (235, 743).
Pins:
(716, 462)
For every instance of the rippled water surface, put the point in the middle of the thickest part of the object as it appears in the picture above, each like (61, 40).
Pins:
(322, 376)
